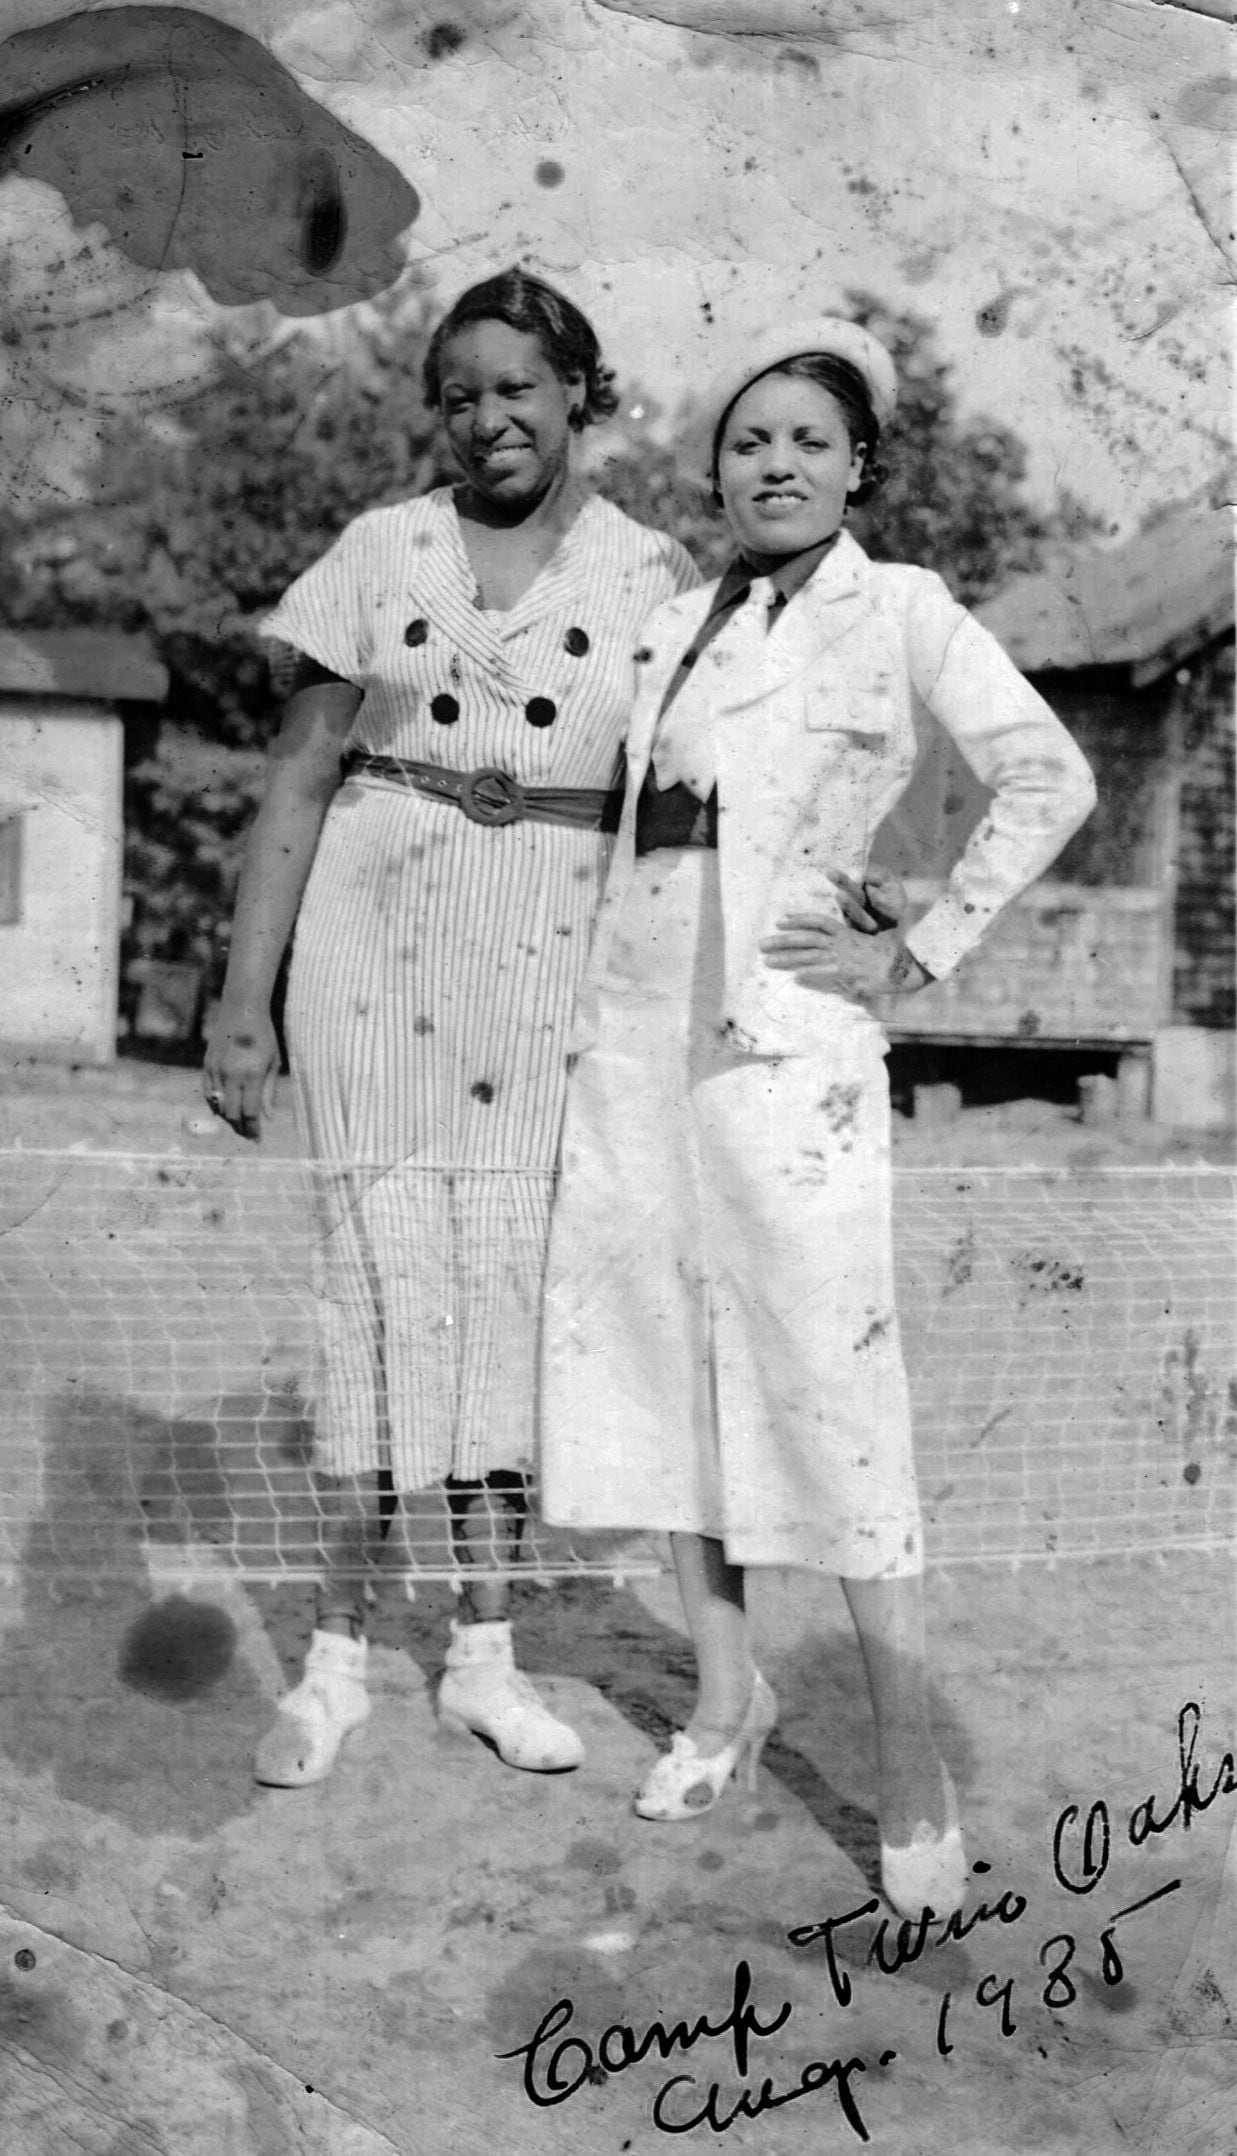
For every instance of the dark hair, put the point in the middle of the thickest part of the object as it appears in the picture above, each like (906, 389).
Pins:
(845, 384)
(523, 302)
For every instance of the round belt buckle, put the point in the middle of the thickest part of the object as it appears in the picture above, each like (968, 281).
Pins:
(492, 796)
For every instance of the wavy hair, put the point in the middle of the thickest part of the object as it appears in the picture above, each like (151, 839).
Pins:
(525, 303)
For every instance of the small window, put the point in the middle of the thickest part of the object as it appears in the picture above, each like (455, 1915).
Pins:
(10, 869)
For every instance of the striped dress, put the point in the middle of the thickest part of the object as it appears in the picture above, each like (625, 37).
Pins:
(435, 966)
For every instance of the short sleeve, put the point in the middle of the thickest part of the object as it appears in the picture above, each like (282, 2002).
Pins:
(652, 566)
(680, 571)
(325, 613)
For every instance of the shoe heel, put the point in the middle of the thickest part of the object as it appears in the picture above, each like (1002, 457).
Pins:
(750, 1763)
(762, 1718)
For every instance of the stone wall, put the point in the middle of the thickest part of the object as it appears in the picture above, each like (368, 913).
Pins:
(1064, 963)
(1090, 952)
(59, 937)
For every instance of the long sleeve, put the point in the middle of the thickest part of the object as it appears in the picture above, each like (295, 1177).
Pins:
(1042, 788)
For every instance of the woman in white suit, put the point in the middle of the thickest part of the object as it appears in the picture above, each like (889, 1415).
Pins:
(722, 1359)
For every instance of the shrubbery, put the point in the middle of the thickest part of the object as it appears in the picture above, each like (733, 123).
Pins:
(202, 515)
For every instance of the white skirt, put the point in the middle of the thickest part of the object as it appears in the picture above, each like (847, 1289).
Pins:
(721, 1351)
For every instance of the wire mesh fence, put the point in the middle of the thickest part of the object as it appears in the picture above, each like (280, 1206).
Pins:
(1071, 1341)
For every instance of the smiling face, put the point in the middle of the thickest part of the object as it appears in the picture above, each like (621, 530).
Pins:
(506, 412)
(785, 465)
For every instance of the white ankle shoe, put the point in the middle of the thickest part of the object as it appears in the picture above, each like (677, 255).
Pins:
(303, 1742)
(483, 1691)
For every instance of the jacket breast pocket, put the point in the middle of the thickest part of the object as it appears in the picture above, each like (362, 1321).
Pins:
(862, 719)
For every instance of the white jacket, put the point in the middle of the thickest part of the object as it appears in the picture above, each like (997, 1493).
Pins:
(816, 738)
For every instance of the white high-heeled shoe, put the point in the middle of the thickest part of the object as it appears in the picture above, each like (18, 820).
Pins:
(930, 1871)
(685, 1782)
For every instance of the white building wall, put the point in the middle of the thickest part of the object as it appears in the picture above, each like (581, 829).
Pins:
(61, 766)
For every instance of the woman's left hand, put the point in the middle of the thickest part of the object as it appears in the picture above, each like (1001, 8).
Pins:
(829, 955)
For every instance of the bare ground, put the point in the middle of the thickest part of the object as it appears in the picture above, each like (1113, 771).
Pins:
(192, 1965)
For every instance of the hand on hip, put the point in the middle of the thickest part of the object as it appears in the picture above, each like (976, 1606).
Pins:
(837, 959)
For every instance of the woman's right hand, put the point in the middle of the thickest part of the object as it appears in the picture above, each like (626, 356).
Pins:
(241, 1067)
(873, 906)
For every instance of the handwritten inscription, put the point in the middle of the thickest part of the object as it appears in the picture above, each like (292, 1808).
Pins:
(557, 2064)
(558, 2060)
(1080, 1860)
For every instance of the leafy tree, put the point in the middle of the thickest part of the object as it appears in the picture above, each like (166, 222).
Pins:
(644, 473)
(201, 516)
(953, 497)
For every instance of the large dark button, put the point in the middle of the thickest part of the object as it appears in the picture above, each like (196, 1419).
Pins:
(445, 709)
(416, 632)
(576, 642)
(540, 711)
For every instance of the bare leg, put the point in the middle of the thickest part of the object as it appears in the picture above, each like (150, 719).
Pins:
(889, 1619)
(487, 1521)
(715, 1609)
(357, 1511)
(314, 1718)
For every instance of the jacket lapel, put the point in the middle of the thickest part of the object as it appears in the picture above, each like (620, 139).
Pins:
(826, 608)
(562, 586)
(677, 624)
(444, 585)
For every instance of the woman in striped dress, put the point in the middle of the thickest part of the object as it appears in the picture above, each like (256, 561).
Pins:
(435, 824)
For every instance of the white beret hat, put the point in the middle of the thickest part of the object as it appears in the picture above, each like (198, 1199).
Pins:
(830, 333)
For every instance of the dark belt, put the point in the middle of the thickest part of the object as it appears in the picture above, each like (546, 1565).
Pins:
(673, 816)
(491, 796)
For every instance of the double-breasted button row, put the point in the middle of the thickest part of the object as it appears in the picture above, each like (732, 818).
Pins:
(577, 643)
(539, 710)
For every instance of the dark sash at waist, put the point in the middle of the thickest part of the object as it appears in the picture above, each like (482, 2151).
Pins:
(673, 816)
(491, 796)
